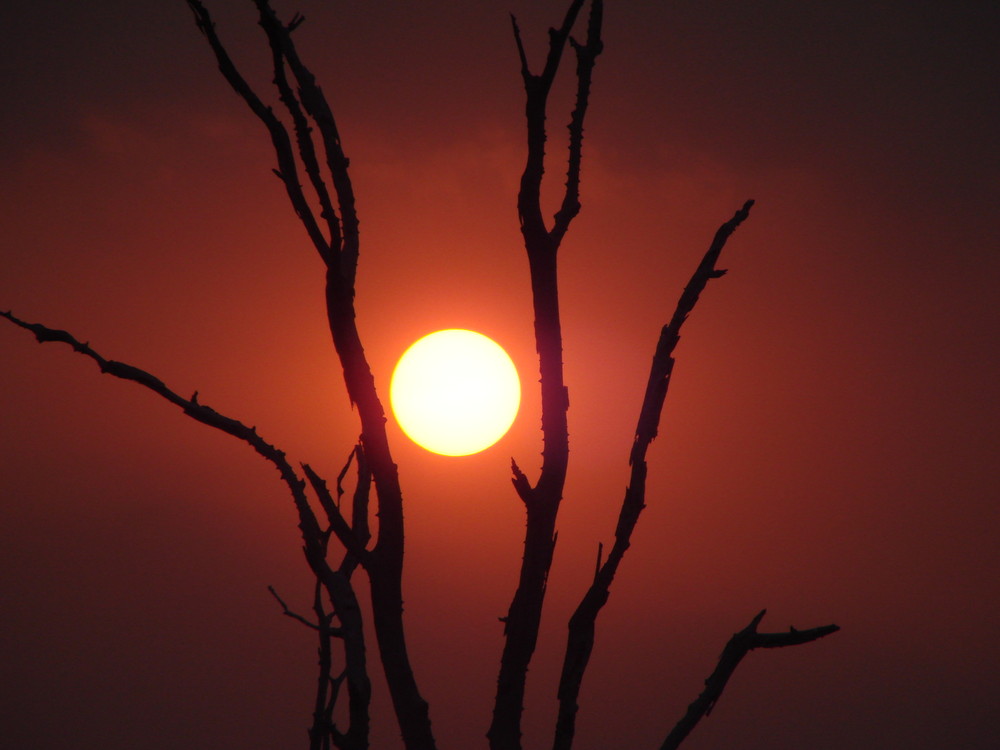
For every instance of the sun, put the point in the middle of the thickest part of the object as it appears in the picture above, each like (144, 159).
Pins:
(455, 392)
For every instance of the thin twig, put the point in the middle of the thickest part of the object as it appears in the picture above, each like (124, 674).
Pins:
(295, 615)
(385, 577)
(323, 727)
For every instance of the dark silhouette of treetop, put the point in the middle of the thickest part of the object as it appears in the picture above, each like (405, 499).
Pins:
(352, 525)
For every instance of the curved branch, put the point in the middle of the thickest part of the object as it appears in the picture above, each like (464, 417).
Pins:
(359, 507)
(580, 638)
(385, 560)
(287, 169)
(337, 584)
(738, 646)
(197, 411)
(303, 133)
(316, 105)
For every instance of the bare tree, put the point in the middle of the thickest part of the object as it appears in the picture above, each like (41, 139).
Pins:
(307, 143)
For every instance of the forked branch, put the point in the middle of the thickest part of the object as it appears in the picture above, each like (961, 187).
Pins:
(276, 36)
(287, 167)
(336, 584)
(346, 609)
(542, 499)
(317, 150)
(738, 646)
(384, 562)
(318, 108)
(338, 524)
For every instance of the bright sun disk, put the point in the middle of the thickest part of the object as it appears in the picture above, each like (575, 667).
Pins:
(455, 392)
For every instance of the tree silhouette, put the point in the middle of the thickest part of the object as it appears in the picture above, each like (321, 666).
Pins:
(307, 144)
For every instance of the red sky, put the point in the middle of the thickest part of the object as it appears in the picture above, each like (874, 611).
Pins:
(829, 444)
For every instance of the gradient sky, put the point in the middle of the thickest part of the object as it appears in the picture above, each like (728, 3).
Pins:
(829, 444)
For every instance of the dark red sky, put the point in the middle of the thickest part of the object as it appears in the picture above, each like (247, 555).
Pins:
(829, 443)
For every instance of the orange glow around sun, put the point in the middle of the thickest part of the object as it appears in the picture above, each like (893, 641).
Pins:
(455, 392)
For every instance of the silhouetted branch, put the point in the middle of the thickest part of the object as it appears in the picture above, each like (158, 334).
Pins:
(316, 105)
(204, 414)
(586, 57)
(336, 584)
(537, 89)
(580, 638)
(343, 473)
(659, 375)
(287, 168)
(335, 604)
(542, 500)
(303, 133)
(296, 616)
(521, 54)
(520, 482)
(384, 562)
(323, 730)
(359, 507)
(347, 609)
(338, 524)
(738, 646)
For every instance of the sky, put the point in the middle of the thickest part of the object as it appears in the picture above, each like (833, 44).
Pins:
(828, 446)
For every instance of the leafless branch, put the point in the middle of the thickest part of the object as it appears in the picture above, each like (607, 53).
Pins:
(336, 584)
(323, 729)
(316, 105)
(525, 71)
(351, 631)
(200, 412)
(303, 133)
(343, 473)
(580, 638)
(335, 604)
(295, 615)
(586, 57)
(287, 167)
(537, 87)
(659, 375)
(359, 508)
(347, 609)
(338, 524)
(738, 646)
(385, 560)
(542, 500)
(520, 482)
